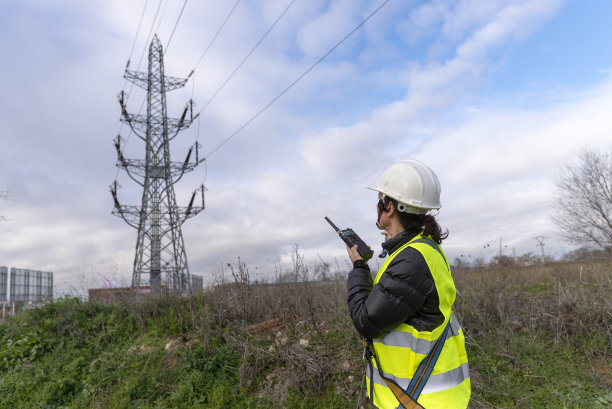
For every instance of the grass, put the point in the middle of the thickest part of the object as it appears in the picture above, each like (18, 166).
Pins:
(537, 337)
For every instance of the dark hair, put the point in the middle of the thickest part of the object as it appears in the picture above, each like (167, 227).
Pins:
(417, 223)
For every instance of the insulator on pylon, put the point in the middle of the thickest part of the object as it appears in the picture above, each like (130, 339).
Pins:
(113, 189)
(124, 112)
(187, 158)
(119, 153)
(192, 198)
(180, 123)
(117, 142)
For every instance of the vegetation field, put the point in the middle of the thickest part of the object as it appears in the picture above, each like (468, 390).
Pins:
(537, 337)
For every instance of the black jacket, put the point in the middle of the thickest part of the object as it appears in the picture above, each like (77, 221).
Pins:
(406, 293)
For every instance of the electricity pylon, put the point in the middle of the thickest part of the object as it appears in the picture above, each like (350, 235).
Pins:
(160, 257)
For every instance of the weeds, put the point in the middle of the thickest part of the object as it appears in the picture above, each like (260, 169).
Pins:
(537, 337)
(538, 330)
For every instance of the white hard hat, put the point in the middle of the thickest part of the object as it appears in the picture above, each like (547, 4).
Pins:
(415, 187)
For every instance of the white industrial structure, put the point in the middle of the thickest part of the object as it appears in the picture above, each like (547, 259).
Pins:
(24, 285)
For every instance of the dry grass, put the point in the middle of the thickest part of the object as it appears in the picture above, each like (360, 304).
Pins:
(567, 300)
(537, 331)
(537, 337)
(531, 332)
(565, 307)
(286, 331)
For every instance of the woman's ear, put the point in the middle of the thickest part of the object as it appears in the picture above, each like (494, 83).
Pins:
(390, 208)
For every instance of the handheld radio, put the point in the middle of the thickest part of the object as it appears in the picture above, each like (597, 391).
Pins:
(351, 238)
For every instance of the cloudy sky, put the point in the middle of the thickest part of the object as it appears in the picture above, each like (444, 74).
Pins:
(495, 96)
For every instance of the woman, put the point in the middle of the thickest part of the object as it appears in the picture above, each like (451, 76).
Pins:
(416, 348)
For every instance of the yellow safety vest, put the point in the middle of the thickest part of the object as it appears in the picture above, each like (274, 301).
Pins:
(400, 351)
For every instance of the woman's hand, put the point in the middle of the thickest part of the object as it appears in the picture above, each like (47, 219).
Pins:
(353, 253)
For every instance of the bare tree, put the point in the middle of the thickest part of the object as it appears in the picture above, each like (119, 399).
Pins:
(584, 206)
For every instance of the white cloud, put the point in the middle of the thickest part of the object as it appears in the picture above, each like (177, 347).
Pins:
(423, 21)
(310, 155)
(499, 165)
(323, 31)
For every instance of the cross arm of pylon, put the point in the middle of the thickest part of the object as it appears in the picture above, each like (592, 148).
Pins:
(138, 123)
(137, 168)
(130, 214)
(142, 80)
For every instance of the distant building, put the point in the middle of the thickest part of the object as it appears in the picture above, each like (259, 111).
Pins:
(24, 285)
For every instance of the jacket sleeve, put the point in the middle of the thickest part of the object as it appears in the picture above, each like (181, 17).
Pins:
(399, 294)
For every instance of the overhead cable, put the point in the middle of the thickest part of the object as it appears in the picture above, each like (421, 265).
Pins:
(127, 65)
(161, 18)
(149, 35)
(215, 37)
(137, 31)
(176, 24)
(144, 51)
(247, 56)
(296, 80)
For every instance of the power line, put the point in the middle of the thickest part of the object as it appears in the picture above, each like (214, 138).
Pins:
(247, 56)
(215, 37)
(296, 80)
(144, 50)
(137, 31)
(176, 24)
(144, 9)
(161, 18)
(149, 35)
(134, 44)
(142, 56)
(170, 39)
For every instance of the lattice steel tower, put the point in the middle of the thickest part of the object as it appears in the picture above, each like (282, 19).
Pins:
(160, 257)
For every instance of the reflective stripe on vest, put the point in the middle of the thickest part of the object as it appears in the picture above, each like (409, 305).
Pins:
(435, 383)
(401, 350)
(417, 345)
